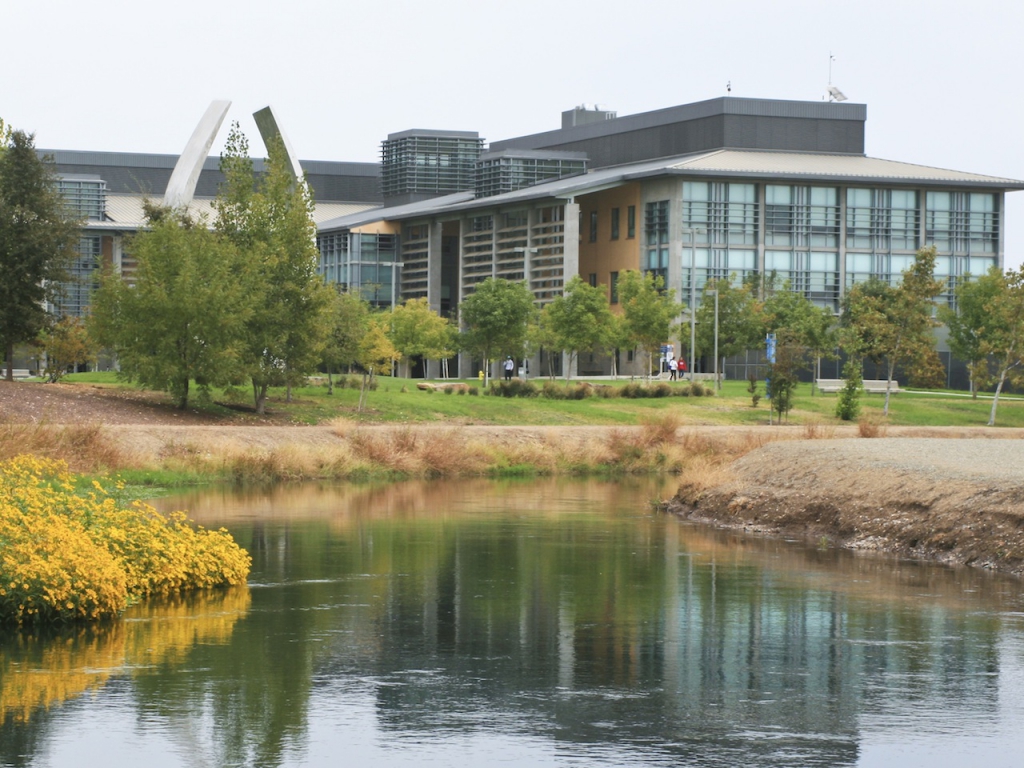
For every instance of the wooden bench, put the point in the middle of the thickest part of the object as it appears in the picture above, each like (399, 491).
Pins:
(19, 373)
(873, 386)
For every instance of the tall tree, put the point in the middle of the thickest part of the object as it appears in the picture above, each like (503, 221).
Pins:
(577, 319)
(182, 320)
(795, 319)
(418, 331)
(968, 321)
(495, 318)
(270, 221)
(38, 233)
(648, 311)
(893, 325)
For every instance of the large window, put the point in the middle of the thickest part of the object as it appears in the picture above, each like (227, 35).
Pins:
(962, 222)
(882, 220)
(720, 222)
(656, 239)
(801, 216)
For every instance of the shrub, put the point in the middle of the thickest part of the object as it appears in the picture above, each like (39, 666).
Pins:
(697, 389)
(661, 389)
(513, 388)
(848, 402)
(68, 557)
(552, 391)
(633, 390)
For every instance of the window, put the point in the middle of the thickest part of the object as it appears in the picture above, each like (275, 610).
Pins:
(615, 223)
(631, 221)
(615, 287)
(592, 279)
(593, 226)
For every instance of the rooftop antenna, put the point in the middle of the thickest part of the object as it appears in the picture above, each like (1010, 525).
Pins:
(728, 87)
(834, 94)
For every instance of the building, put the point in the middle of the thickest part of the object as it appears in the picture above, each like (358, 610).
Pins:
(726, 188)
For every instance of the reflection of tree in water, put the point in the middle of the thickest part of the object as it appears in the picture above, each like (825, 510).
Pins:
(44, 669)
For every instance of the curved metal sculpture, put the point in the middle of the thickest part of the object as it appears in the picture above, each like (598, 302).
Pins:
(270, 130)
(182, 186)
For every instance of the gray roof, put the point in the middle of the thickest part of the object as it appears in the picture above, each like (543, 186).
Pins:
(738, 163)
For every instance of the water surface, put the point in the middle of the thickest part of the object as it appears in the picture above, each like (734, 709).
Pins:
(529, 623)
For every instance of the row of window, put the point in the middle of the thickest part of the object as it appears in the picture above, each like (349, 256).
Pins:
(616, 224)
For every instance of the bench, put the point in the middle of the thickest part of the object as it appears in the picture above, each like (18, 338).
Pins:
(873, 386)
(19, 373)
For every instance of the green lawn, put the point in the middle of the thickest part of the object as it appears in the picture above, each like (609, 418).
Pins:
(398, 400)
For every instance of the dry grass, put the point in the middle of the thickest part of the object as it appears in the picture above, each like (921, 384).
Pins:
(85, 447)
(870, 426)
(815, 430)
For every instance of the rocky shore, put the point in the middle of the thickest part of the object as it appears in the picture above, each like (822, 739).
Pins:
(957, 501)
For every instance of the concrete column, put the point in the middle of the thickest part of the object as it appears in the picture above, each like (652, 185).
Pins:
(842, 244)
(570, 258)
(463, 362)
(433, 367)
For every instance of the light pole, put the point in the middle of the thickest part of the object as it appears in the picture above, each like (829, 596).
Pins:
(692, 232)
(718, 384)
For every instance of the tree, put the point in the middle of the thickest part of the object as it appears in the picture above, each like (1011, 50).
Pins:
(1002, 337)
(375, 352)
(270, 221)
(348, 318)
(495, 318)
(848, 402)
(418, 331)
(893, 325)
(648, 311)
(67, 344)
(183, 319)
(740, 325)
(967, 323)
(578, 319)
(38, 233)
(793, 316)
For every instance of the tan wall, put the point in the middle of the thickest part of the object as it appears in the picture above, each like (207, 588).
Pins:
(605, 255)
(379, 228)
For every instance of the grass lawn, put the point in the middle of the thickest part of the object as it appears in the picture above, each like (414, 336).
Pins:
(398, 400)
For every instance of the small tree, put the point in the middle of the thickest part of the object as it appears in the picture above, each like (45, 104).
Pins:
(893, 325)
(848, 402)
(1002, 338)
(375, 353)
(348, 317)
(67, 344)
(783, 375)
(495, 318)
(577, 319)
(967, 323)
(791, 314)
(418, 331)
(740, 326)
(648, 312)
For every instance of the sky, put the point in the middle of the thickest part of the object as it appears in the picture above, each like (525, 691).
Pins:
(942, 80)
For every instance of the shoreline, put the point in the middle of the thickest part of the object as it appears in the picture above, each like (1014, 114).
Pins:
(947, 500)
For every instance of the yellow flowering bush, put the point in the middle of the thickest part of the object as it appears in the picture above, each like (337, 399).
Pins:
(66, 556)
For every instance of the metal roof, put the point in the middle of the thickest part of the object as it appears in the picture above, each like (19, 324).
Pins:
(125, 212)
(738, 163)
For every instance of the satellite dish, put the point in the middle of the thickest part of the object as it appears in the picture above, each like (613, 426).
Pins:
(835, 94)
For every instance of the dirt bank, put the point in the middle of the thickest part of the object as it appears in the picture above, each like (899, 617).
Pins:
(959, 501)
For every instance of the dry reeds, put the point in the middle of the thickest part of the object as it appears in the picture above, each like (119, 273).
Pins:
(871, 427)
(85, 447)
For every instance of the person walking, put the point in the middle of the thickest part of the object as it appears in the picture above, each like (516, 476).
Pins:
(510, 366)
(673, 368)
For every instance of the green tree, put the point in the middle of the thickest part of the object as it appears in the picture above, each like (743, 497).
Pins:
(893, 325)
(648, 311)
(578, 320)
(418, 331)
(38, 233)
(782, 375)
(740, 325)
(495, 318)
(376, 352)
(967, 323)
(848, 402)
(792, 315)
(1002, 337)
(270, 221)
(67, 344)
(183, 318)
(348, 318)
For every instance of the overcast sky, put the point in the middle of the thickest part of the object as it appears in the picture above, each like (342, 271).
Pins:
(941, 79)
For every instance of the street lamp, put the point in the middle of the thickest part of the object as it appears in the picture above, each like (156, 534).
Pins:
(718, 384)
(692, 232)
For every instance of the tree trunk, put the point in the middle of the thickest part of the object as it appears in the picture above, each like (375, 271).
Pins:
(888, 384)
(183, 401)
(259, 392)
(10, 361)
(330, 382)
(995, 398)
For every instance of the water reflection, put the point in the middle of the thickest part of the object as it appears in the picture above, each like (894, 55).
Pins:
(532, 623)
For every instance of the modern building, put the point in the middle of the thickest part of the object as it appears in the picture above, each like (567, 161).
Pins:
(726, 188)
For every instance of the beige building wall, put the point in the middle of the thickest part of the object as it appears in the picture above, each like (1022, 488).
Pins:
(604, 254)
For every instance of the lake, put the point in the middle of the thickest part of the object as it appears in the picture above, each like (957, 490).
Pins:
(527, 623)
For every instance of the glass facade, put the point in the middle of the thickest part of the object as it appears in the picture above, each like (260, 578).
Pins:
(720, 224)
(655, 259)
(364, 262)
(802, 230)
(76, 294)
